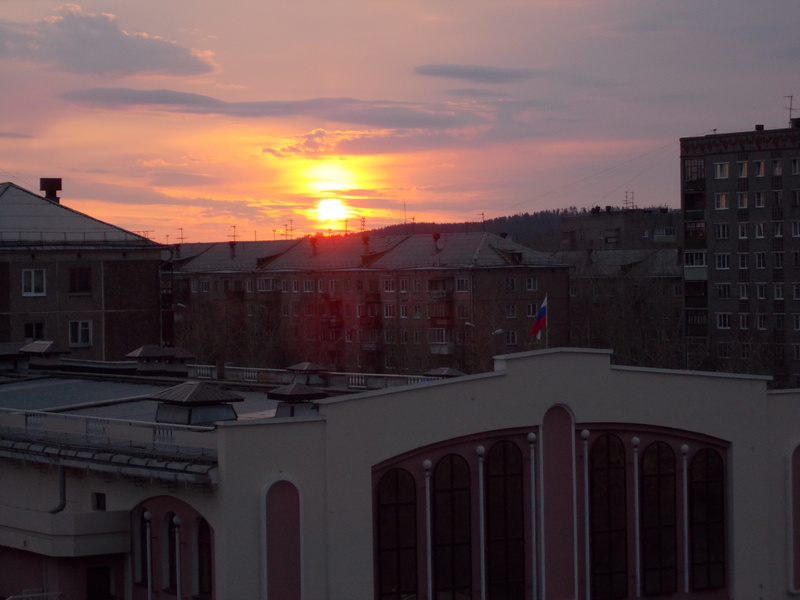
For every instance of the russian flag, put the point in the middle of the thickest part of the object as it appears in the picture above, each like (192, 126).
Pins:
(540, 322)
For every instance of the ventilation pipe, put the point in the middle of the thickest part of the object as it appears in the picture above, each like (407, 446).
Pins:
(50, 185)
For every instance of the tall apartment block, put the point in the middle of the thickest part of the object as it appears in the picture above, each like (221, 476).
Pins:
(741, 209)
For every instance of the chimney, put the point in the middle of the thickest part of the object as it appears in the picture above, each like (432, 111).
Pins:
(50, 185)
(313, 240)
(794, 122)
(232, 245)
(759, 127)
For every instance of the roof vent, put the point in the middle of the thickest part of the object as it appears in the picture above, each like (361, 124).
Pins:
(50, 185)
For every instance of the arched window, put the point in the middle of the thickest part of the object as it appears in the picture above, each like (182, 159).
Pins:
(141, 539)
(707, 520)
(505, 541)
(452, 534)
(205, 561)
(397, 535)
(658, 520)
(608, 515)
(171, 556)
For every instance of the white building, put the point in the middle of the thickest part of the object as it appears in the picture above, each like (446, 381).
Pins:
(558, 475)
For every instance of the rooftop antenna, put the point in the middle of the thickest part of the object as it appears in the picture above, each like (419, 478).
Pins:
(233, 235)
(363, 222)
(181, 239)
(291, 230)
(790, 108)
(483, 221)
(629, 203)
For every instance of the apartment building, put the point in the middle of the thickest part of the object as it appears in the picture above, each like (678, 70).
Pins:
(90, 287)
(402, 304)
(741, 208)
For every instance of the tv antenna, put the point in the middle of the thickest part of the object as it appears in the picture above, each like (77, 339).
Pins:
(790, 108)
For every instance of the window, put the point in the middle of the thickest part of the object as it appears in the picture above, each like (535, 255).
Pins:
(389, 311)
(723, 320)
(396, 505)
(721, 170)
(205, 571)
(724, 350)
(741, 199)
(742, 231)
(777, 198)
(531, 284)
(759, 199)
(249, 286)
(608, 515)
(795, 228)
(390, 336)
(761, 260)
(761, 291)
(758, 168)
(531, 311)
(404, 311)
(264, 285)
(724, 291)
(462, 284)
(761, 321)
(742, 168)
(452, 538)
(439, 335)
(777, 260)
(511, 284)
(744, 290)
(80, 280)
(33, 282)
(743, 260)
(777, 168)
(403, 285)
(694, 169)
(308, 286)
(722, 230)
(659, 520)
(777, 229)
(80, 333)
(511, 338)
(795, 165)
(722, 201)
(723, 261)
(694, 259)
(777, 291)
(33, 331)
(462, 311)
(759, 230)
(320, 286)
(707, 520)
(295, 285)
(388, 285)
(511, 311)
(744, 321)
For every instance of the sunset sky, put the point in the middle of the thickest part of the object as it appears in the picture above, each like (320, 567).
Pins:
(201, 118)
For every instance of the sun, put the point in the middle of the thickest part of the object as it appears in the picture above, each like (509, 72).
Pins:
(332, 209)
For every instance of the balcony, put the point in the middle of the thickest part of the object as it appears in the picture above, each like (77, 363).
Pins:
(695, 273)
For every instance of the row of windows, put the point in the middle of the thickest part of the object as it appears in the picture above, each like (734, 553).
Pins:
(724, 291)
(34, 281)
(755, 168)
(334, 285)
(467, 520)
(80, 332)
(722, 200)
(435, 336)
(722, 260)
(722, 230)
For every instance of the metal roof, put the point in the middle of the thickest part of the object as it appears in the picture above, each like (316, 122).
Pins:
(225, 257)
(29, 219)
(394, 252)
(624, 263)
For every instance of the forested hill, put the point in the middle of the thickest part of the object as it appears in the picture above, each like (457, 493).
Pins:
(538, 230)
